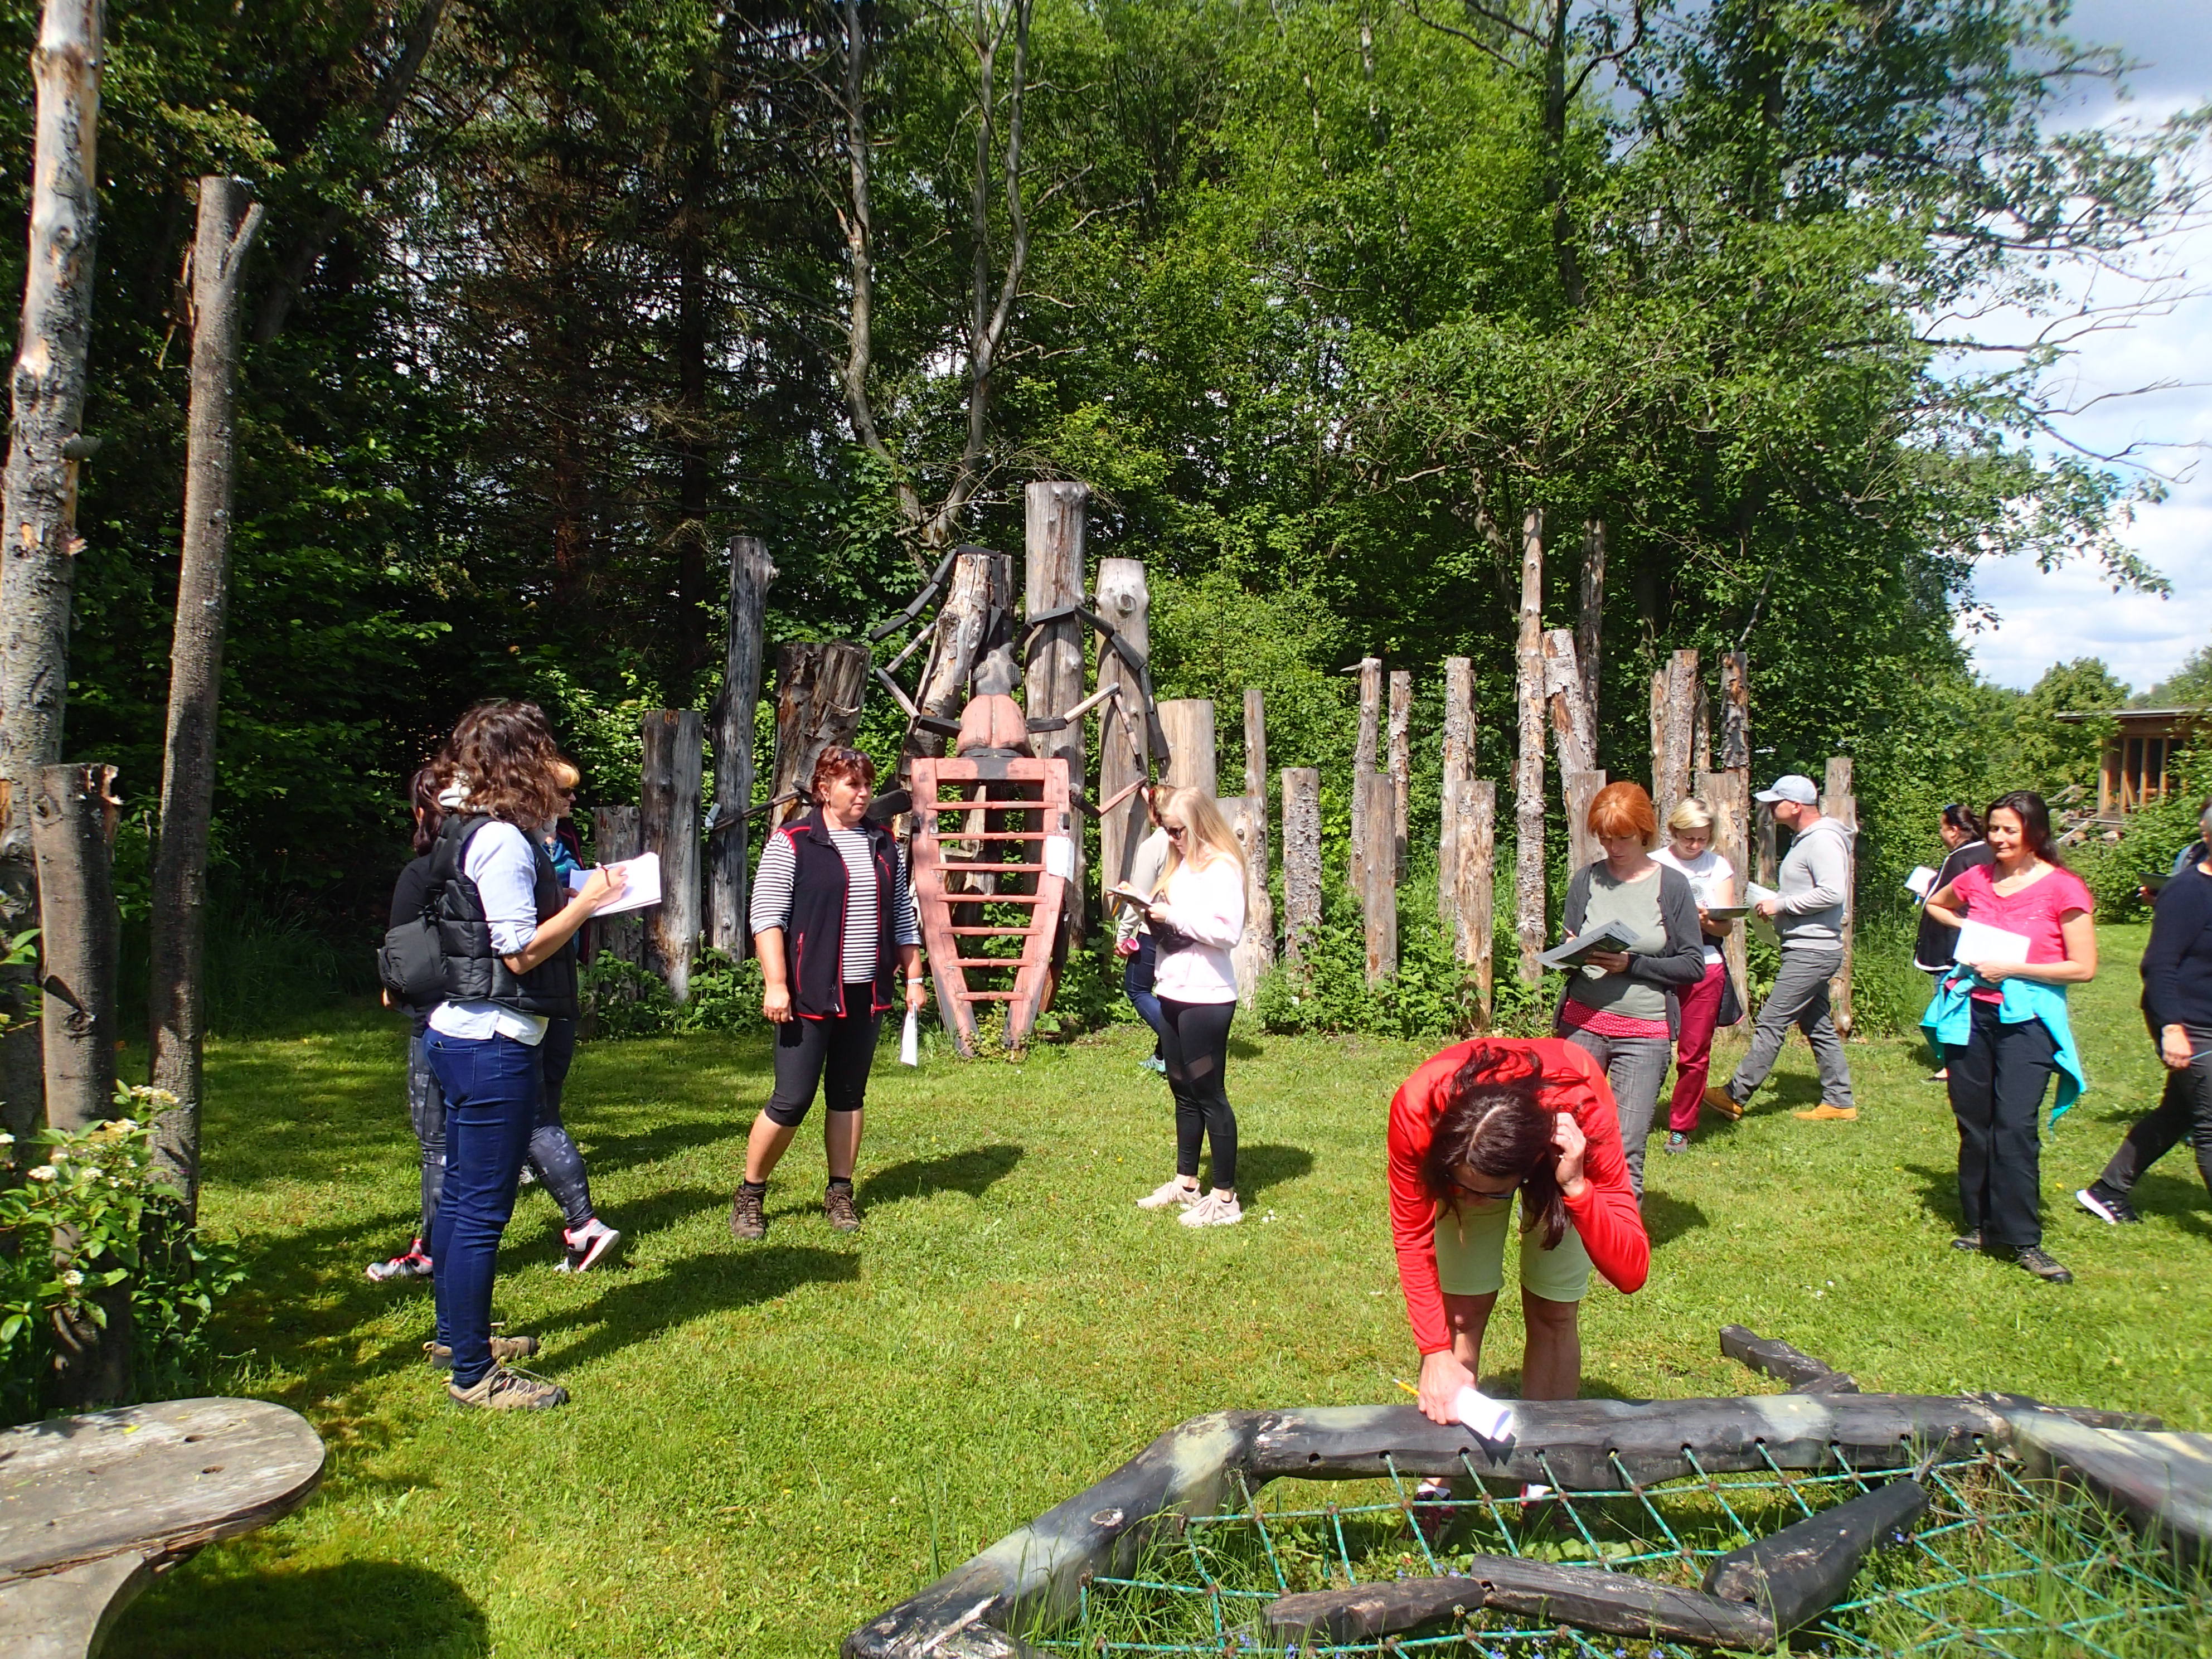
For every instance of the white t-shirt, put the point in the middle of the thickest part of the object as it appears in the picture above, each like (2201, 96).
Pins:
(1707, 873)
(500, 862)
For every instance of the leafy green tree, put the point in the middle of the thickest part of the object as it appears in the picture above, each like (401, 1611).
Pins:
(2054, 755)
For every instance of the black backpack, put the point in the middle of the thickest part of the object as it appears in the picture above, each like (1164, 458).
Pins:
(411, 961)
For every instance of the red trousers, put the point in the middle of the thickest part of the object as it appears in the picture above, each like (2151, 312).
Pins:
(1693, 1054)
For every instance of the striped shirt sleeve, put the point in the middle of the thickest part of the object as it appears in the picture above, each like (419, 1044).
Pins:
(772, 883)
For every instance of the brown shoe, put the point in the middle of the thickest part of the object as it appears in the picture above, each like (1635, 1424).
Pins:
(1825, 1112)
(503, 1390)
(503, 1349)
(748, 1215)
(837, 1205)
(1721, 1101)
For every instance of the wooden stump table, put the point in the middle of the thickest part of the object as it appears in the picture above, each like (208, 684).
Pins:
(92, 1507)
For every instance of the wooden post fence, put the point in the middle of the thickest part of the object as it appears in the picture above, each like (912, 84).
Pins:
(668, 823)
(1363, 763)
(819, 685)
(1188, 725)
(1052, 673)
(1301, 861)
(1255, 949)
(751, 573)
(1379, 879)
(1124, 743)
(1401, 755)
(1838, 802)
(1529, 921)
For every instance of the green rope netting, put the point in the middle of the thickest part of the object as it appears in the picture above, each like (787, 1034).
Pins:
(1999, 1565)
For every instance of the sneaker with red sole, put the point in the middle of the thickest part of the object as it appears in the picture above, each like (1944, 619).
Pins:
(411, 1263)
(586, 1245)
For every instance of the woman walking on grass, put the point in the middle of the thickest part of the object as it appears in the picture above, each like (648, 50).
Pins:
(832, 919)
(1964, 849)
(1712, 883)
(1196, 915)
(2001, 1017)
(508, 922)
(1622, 1007)
(2177, 1005)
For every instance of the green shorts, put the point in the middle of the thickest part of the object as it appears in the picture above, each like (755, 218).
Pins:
(1471, 1256)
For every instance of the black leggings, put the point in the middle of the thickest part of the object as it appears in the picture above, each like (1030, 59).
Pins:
(834, 1053)
(2185, 1111)
(1194, 1043)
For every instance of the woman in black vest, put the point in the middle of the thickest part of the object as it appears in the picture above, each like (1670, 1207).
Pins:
(1963, 850)
(833, 920)
(504, 919)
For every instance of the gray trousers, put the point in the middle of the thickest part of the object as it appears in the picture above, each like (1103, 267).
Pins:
(1635, 1067)
(1800, 998)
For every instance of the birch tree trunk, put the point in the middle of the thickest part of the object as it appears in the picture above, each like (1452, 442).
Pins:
(38, 490)
(751, 573)
(177, 1008)
(1124, 742)
(1053, 675)
(1590, 627)
(1529, 921)
(73, 816)
(1301, 862)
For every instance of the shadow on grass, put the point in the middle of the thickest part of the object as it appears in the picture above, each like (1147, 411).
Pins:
(974, 1170)
(2184, 1201)
(1938, 1192)
(1244, 1048)
(640, 1310)
(1666, 1219)
(1260, 1167)
(355, 1607)
(603, 1151)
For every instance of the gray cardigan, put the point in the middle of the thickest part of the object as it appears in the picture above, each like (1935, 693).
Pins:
(1682, 962)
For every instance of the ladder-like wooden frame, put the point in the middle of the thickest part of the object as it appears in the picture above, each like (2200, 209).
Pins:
(1043, 819)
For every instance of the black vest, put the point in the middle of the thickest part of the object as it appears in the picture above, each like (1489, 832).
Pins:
(814, 943)
(475, 972)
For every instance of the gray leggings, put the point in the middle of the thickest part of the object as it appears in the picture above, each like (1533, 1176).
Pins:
(553, 1152)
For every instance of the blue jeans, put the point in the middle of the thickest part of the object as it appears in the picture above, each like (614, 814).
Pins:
(490, 1086)
(1137, 986)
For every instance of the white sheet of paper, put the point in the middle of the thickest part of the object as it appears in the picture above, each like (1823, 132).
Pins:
(642, 889)
(1980, 942)
(1060, 857)
(1921, 882)
(1487, 1417)
(1754, 894)
(909, 1042)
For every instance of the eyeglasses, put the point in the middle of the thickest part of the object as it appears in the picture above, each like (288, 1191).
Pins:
(1177, 831)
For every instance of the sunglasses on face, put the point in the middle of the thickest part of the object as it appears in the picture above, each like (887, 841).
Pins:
(1175, 830)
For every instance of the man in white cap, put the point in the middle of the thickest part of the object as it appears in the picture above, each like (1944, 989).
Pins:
(1807, 914)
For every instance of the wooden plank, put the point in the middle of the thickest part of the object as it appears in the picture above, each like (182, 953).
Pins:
(1052, 674)
(1400, 756)
(1301, 861)
(668, 823)
(68, 1614)
(727, 868)
(1529, 921)
(1188, 724)
(1124, 743)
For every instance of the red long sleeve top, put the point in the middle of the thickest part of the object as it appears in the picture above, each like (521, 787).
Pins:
(1604, 1214)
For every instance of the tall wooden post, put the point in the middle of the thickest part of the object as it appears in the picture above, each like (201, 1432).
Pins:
(1401, 755)
(1838, 802)
(1187, 723)
(1574, 723)
(1736, 712)
(177, 924)
(1478, 862)
(1590, 627)
(39, 542)
(819, 685)
(1379, 879)
(668, 823)
(1458, 772)
(1728, 794)
(1674, 722)
(1581, 789)
(1255, 949)
(1529, 921)
(1301, 861)
(1124, 743)
(975, 616)
(72, 830)
(1052, 675)
(1770, 860)
(749, 575)
(1363, 763)
(614, 838)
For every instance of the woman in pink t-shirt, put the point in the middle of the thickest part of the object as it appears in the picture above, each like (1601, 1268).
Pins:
(1999, 1075)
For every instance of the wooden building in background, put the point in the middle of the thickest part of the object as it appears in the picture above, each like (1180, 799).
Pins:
(2137, 766)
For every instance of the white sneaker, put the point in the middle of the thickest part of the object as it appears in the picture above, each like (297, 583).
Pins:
(1173, 1192)
(1213, 1211)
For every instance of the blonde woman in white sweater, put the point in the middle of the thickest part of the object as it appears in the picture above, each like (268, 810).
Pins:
(1197, 914)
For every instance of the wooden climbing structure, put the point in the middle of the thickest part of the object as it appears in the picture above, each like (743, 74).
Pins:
(998, 873)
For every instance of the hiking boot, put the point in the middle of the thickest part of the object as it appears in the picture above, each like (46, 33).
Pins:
(749, 1214)
(1168, 1193)
(2037, 1262)
(837, 1205)
(501, 1389)
(503, 1348)
(1970, 1243)
(1214, 1210)
(586, 1245)
(1825, 1112)
(1721, 1101)
(2107, 1206)
(411, 1263)
(1677, 1141)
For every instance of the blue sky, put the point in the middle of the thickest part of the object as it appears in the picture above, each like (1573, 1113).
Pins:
(2045, 618)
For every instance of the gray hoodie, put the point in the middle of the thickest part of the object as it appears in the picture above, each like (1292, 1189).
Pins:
(1815, 877)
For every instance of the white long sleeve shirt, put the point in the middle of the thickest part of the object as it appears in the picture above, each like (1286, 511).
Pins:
(1202, 916)
(500, 862)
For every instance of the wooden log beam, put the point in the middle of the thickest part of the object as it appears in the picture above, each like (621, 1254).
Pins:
(1379, 880)
(819, 687)
(73, 817)
(1838, 802)
(1478, 890)
(1401, 761)
(1772, 1358)
(1301, 862)
(1728, 794)
(614, 838)
(751, 573)
(1794, 1575)
(1124, 743)
(1255, 953)
(1052, 670)
(1581, 789)
(1673, 723)
(1529, 921)
(1574, 728)
(1189, 723)
(1458, 770)
(669, 823)
(1363, 763)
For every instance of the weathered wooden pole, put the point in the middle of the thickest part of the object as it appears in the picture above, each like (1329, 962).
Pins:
(1727, 794)
(1529, 921)
(668, 823)
(749, 575)
(1574, 724)
(1052, 673)
(73, 815)
(1124, 743)
(1255, 949)
(1838, 802)
(819, 686)
(1736, 712)
(1379, 879)
(974, 617)
(1590, 627)
(1770, 860)
(1674, 722)
(1401, 760)
(1478, 862)
(1581, 789)
(39, 542)
(1301, 861)
(1458, 771)
(177, 922)
(1188, 725)
(614, 838)
(1363, 763)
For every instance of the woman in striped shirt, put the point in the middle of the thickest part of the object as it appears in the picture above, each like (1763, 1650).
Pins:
(833, 920)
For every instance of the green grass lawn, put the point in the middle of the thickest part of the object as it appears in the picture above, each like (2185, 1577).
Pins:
(770, 1442)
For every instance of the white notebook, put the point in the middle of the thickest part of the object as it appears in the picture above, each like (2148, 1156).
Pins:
(1980, 942)
(642, 889)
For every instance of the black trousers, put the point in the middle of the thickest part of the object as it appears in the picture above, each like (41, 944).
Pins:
(2184, 1110)
(1194, 1043)
(834, 1055)
(1998, 1078)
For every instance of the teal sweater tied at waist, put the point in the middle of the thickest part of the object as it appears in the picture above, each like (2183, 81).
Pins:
(1950, 1017)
